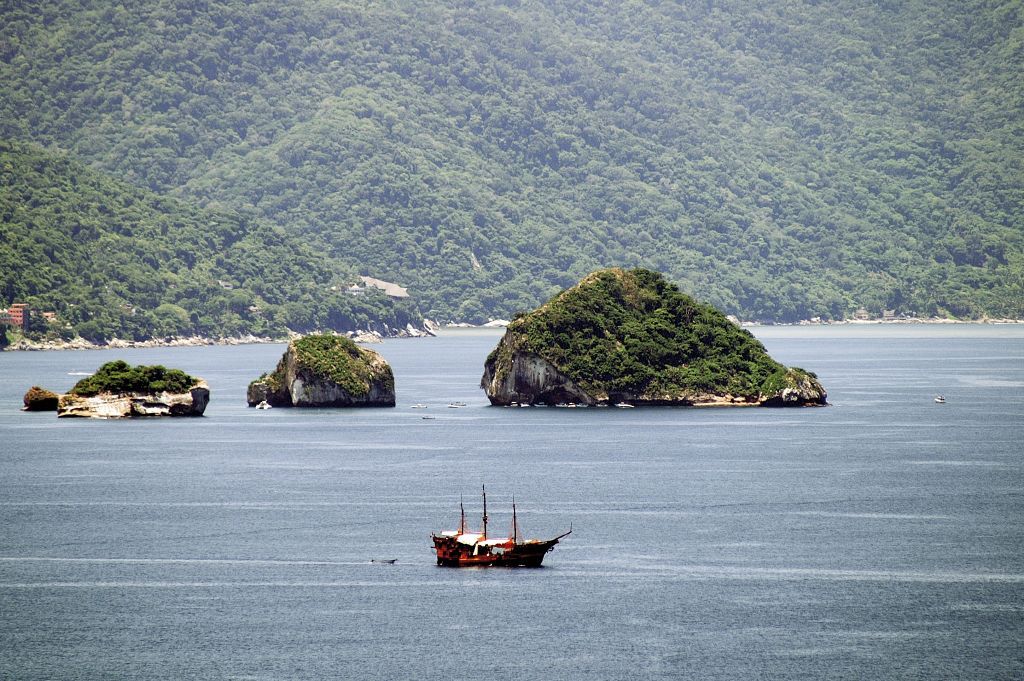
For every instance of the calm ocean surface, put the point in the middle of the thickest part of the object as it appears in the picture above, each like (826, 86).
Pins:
(879, 538)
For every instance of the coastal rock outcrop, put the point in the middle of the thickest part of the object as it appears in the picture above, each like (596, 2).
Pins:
(40, 399)
(631, 337)
(122, 405)
(528, 378)
(118, 390)
(326, 371)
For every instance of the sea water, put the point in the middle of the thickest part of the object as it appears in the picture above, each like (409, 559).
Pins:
(881, 537)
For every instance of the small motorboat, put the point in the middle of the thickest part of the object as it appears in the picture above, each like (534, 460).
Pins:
(624, 405)
(939, 399)
(263, 405)
(384, 561)
(419, 406)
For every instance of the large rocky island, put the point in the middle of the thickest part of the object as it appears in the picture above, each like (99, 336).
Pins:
(118, 390)
(326, 371)
(631, 337)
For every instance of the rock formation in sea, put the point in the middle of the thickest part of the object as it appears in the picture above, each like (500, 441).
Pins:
(40, 399)
(118, 390)
(326, 371)
(631, 337)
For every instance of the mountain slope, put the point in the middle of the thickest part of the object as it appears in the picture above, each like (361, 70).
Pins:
(115, 260)
(778, 159)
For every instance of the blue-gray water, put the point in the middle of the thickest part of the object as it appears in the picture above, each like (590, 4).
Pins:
(879, 538)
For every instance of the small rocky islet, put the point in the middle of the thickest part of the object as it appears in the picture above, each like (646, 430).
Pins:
(40, 399)
(632, 338)
(323, 370)
(119, 390)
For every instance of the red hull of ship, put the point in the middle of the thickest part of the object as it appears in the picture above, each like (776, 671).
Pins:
(452, 554)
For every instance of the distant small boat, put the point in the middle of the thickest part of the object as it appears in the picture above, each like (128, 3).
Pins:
(456, 405)
(428, 418)
(624, 405)
(79, 373)
(939, 399)
(384, 561)
(419, 406)
(263, 405)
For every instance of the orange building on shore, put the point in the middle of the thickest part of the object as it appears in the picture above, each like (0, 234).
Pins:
(17, 315)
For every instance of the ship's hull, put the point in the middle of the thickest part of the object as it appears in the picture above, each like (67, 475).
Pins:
(451, 553)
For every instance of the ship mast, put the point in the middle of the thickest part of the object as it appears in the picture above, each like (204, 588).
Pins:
(484, 490)
(515, 524)
(462, 517)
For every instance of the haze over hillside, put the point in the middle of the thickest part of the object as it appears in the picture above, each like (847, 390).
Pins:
(781, 160)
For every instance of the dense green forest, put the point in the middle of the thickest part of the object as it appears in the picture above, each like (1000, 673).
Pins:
(779, 159)
(117, 261)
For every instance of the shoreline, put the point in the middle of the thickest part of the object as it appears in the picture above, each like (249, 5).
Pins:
(24, 345)
(365, 337)
(895, 322)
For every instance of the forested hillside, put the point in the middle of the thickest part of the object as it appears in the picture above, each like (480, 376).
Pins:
(117, 261)
(780, 159)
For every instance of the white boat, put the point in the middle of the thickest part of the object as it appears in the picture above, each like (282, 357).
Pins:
(419, 406)
(263, 405)
(939, 399)
(624, 405)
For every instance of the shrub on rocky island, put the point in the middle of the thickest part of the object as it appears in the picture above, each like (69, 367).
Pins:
(120, 377)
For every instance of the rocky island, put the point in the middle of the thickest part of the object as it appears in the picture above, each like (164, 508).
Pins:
(631, 337)
(40, 399)
(326, 371)
(118, 390)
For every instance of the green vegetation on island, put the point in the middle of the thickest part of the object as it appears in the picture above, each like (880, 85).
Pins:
(780, 159)
(118, 377)
(326, 370)
(632, 335)
(339, 359)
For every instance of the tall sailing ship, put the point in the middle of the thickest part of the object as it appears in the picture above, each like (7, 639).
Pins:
(459, 548)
